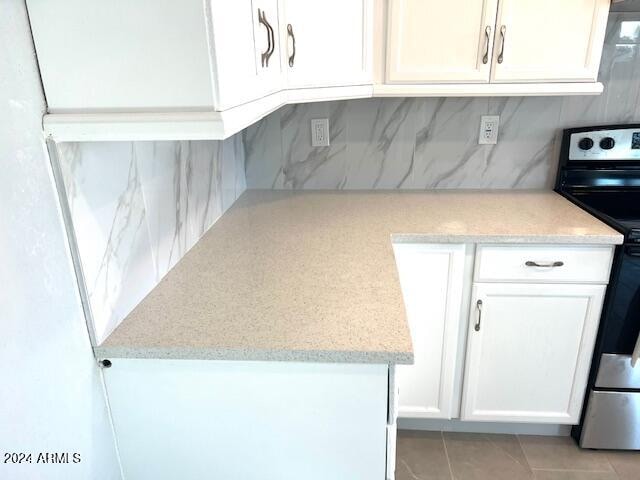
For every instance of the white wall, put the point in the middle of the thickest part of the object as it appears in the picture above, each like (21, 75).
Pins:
(51, 398)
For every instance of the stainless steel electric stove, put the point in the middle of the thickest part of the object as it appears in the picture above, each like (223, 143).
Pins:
(600, 171)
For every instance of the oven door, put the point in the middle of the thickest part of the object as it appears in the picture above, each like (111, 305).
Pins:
(612, 418)
(619, 366)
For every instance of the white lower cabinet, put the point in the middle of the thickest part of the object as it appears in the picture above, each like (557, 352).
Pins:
(533, 319)
(196, 419)
(529, 351)
(431, 277)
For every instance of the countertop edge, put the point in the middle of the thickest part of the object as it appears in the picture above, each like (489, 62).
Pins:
(617, 239)
(316, 356)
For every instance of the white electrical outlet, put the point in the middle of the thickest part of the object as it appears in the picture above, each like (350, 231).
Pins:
(320, 132)
(489, 129)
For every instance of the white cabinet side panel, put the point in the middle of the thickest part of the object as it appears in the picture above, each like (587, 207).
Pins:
(249, 420)
(431, 277)
(122, 55)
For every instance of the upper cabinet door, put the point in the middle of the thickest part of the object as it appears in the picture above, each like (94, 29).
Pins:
(434, 41)
(328, 43)
(267, 45)
(549, 40)
(529, 350)
(239, 41)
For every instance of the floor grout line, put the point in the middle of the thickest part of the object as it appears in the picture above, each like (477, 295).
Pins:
(526, 459)
(487, 438)
(612, 469)
(446, 454)
(576, 470)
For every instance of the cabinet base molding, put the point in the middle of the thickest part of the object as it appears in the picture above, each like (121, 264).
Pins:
(456, 425)
(143, 126)
(194, 125)
(210, 125)
(488, 90)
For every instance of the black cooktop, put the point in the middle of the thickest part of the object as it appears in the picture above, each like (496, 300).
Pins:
(620, 210)
(621, 206)
(602, 175)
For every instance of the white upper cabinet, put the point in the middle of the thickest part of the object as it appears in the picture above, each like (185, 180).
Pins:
(206, 69)
(193, 69)
(431, 277)
(157, 56)
(491, 47)
(328, 43)
(440, 42)
(549, 40)
(529, 351)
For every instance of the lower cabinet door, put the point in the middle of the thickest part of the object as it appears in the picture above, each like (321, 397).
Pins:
(529, 351)
(431, 277)
(194, 420)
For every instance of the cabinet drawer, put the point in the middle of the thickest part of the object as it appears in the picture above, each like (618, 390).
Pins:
(543, 263)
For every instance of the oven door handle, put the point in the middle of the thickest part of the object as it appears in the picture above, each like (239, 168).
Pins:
(632, 251)
(636, 353)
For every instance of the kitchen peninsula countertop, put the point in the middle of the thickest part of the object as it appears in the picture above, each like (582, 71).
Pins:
(311, 276)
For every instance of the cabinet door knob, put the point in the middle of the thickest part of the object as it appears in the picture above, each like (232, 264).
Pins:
(479, 320)
(503, 32)
(531, 263)
(292, 57)
(487, 33)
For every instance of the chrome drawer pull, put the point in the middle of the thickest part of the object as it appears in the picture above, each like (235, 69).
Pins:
(544, 265)
(477, 325)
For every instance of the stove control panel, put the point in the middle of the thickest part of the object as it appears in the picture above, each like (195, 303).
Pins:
(617, 144)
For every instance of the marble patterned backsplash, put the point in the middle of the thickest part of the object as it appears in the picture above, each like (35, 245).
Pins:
(138, 207)
(427, 143)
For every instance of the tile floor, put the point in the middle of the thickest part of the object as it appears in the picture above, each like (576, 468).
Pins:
(475, 456)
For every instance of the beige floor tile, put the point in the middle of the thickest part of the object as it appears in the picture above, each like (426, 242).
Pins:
(572, 475)
(561, 453)
(626, 464)
(421, 456)
(476, 456)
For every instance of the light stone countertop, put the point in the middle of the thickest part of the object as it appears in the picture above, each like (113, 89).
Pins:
(311, 276)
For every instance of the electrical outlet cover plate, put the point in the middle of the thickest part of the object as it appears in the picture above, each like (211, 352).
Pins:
(489, 130)
(320, 132)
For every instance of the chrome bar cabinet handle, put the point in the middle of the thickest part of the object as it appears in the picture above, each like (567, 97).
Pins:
(264, 57)
(479, 320)
(273, 40)
(487, 33)
(503, 32)
(544, 264)
(292, 57)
